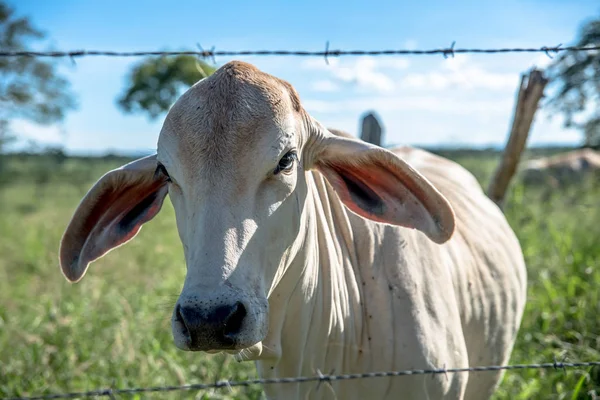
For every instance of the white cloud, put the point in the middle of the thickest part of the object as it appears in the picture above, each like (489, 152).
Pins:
(423, 104)
(417, 127)
(548, 129)
(542, 61)
(324, 85)
(455, 101)
(393, 63)
(364, 74)
(25, 130)
(362, 71)
(434, 104)
(387, 75)
(459, 73)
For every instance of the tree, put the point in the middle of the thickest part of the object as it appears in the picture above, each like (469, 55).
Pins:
(155, 83)
(577, 76)
(30, 88)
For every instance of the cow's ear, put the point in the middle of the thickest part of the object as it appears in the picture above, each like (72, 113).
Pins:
(377, 184)
(111, 214)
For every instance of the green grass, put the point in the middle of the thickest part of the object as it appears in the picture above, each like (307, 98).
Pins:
(113, 328)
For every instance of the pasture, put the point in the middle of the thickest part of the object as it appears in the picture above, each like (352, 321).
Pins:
(113, 328)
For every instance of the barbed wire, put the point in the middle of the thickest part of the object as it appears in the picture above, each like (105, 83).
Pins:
(212, 53)
(111, 392)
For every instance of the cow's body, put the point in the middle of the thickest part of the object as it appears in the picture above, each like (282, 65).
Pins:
(370, 297)
(562, 169)
(310, 251)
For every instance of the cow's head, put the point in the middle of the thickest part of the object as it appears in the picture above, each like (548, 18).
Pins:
(234, 154)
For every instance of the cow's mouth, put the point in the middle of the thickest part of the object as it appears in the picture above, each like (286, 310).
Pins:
(253, 352)
(248, 353)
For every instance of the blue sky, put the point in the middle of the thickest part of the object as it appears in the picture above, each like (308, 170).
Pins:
(425, 100)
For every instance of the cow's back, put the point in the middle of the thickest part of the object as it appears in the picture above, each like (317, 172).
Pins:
(562, 169)
(488, 267)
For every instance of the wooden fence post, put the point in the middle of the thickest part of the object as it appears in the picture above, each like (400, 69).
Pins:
(530, 92)
(371, 129)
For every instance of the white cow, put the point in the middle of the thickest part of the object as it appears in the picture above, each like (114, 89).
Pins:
(562, 169)
(309, 251)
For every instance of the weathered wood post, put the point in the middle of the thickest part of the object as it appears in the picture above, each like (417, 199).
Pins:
(371, 129)
(530, 92)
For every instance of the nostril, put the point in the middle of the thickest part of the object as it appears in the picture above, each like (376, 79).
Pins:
(179, 318)
(233, 322)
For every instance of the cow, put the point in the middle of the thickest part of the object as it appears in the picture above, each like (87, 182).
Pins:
(562, 169)
(308, 250)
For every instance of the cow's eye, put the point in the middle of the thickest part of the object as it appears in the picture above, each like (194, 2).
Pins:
(287, 162)
(161, 170)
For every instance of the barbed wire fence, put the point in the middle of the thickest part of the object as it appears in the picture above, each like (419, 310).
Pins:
(213, 53)
(319, 378)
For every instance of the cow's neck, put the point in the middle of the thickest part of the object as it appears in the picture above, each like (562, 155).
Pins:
(316, 318)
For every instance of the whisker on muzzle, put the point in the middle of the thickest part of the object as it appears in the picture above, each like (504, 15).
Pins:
(166, 303)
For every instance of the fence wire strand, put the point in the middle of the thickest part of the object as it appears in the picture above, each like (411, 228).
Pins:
(212, 53)
(111, 392)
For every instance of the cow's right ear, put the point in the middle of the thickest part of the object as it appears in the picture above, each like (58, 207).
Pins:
(111, 214)
(378, 185)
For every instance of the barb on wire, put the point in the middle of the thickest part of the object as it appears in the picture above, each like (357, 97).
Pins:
(554, 50)
(212, 53)
(319, 377)
(450, 51)
(560, 364)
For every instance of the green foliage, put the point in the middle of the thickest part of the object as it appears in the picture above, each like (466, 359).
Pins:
(577, 76)
(113, 328)
(30, 87)
(155, 83)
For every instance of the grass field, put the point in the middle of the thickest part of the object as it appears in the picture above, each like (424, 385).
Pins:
(113, 328)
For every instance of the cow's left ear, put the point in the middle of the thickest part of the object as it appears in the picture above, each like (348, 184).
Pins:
(377, 184)
(111, 214)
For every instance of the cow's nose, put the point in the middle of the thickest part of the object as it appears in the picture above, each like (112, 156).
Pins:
(215, 329)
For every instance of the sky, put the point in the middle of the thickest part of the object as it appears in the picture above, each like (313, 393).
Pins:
(466, 100)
